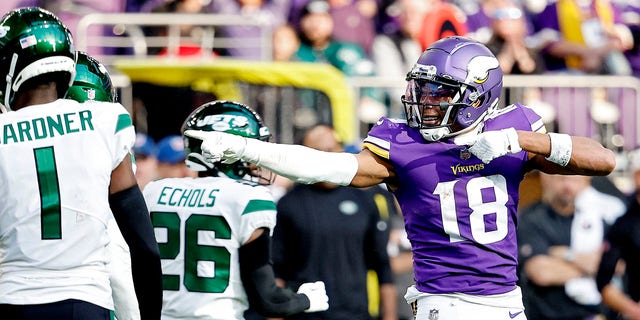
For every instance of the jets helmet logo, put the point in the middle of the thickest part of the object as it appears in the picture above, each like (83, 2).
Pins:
(223, 122)
(4, 30)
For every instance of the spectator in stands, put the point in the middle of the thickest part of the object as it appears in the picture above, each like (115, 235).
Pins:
(170, 155)
(509, 39)
(559, 241)
(442, 19)
(337, 239)
(354, 21)
(285, 43)
(190, 35)
(630, 15)
(478, 15)
(393, 54)
(583, 37)
(296, 10)
(273, 13)
(144, 151)
(318, 45)
(622, 245)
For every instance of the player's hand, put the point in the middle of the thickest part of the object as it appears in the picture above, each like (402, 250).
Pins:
(492, 144)
(219, 146)
(318, 299)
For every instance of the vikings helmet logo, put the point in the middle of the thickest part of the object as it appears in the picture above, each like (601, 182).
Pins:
(478, 68)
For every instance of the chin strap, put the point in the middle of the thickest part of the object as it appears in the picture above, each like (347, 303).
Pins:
(9, 79)
(432, 135)
(469, 136)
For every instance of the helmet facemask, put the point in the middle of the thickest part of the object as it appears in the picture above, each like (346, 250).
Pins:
(246, 171)
(456, 79)
(432, 104)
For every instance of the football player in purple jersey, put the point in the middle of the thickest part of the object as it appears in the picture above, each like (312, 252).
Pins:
(455, 165)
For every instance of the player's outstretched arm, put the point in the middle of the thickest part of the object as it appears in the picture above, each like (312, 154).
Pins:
(131, 213)
(298, 163)
(259, 282)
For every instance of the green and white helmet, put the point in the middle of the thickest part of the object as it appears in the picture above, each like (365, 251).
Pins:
(92, 81)
(34, 42)
(230, 117)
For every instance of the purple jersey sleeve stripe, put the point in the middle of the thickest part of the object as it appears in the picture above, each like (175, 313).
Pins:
(376, 149)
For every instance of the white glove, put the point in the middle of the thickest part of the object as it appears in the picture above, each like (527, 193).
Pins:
(493, 144)
(219, 146)
(318, 299)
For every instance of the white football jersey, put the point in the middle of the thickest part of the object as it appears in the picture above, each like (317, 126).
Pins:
(200, 223)
(56, 161)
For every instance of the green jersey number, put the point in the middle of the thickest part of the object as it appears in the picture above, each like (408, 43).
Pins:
(50, 212)
(194, 252)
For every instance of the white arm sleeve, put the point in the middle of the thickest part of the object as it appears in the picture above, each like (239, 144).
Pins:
(302, 164)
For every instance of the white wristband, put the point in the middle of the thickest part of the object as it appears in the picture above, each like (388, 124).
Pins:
(561, 148)
(512, 139)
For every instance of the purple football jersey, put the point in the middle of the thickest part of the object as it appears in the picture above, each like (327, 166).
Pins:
(460, 213)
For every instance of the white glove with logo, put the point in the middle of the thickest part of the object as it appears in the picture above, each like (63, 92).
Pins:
(492, 144)
(318, 299)
(219, 146)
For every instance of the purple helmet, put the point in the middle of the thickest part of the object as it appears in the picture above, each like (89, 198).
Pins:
(456, 76)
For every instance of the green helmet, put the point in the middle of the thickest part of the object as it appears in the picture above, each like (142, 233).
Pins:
(92, 81)
(224, 116)
(34, 42)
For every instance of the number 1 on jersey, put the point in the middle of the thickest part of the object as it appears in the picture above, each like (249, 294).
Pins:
(50, 212)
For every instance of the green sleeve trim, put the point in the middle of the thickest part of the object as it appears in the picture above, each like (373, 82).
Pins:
(124, 121)
(259, 205)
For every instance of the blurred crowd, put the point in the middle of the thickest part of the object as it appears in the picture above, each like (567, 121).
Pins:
(384, 38)
(380, 37)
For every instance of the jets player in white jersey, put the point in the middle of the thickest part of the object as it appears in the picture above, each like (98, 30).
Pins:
(214, 231)
(93, 83)
(65, 172)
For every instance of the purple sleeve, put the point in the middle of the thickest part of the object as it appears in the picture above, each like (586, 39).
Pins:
(379, 137)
